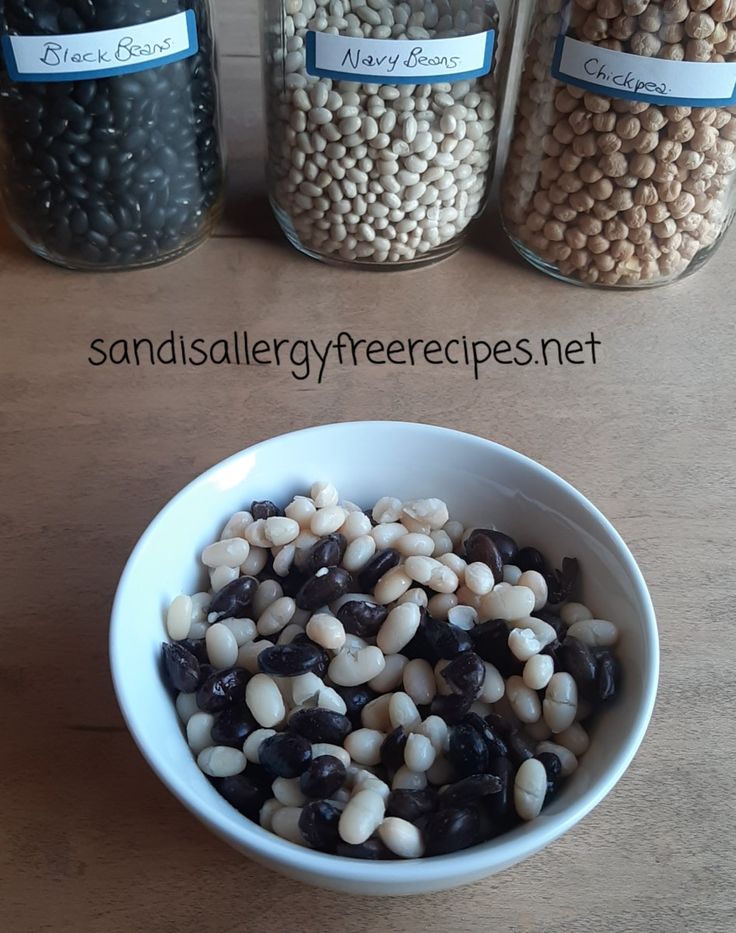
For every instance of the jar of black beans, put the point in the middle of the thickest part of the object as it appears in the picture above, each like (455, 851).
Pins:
(110, 145)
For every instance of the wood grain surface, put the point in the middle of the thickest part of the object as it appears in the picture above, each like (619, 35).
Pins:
(89, 839)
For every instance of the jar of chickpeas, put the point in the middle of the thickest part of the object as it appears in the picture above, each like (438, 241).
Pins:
(622, 158)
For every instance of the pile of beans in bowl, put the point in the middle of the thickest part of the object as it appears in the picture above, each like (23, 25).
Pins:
(387, 683)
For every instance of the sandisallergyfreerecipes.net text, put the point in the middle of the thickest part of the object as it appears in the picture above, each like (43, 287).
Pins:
(305, 358)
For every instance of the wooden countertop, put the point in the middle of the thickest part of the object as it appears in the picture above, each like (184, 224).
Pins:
(89, 839)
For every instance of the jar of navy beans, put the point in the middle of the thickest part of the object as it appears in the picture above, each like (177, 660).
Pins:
(622, 163)
(110, 146)
(382, 123)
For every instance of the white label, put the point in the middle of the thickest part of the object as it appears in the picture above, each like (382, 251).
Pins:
(398, 61)
(104, 54)
(638, 77)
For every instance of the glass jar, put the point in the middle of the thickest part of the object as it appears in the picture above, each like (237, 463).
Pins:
(382, 123)
(622, 160)
(110, 146)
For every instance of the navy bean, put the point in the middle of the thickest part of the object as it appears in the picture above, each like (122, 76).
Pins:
(285, 754)
(323, 778)
(320, 725)
(318, 824)
(362, 618)
(181, 667)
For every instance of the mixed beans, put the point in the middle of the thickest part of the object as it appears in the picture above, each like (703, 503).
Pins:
(387, 683)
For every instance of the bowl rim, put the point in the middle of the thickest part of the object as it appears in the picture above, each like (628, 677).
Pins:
(493, 855)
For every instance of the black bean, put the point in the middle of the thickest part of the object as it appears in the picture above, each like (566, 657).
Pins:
(561, 583)
(469, 790)
(392, 749)
(324, 777)
(318, 823)
(451, 708)
(551, 618)
(320, 725)
(264, 509)
(362, 618)
(468, 752)
(181, 667)
(197, 646)
(506, 545)
(465, 674)
(411, 804)
(232, 727)
(355, 699)
(500, 806)
(102, 221)
(530, 558)
(319, 590)
(327, 552)
(521, 746)
(451, 830)
(491, 642)
(480, 547)
(222, 689)
(575, 658)
(244, 794)
(489, 732)
(290, 660)
(553, 767)
(234, 599)
(321, 665)
(607, 676)
(371, 849)
(112, 138)
(376, 567)
(445, 641)
(285, 754)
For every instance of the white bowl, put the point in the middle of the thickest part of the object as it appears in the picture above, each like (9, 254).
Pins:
(481, 482)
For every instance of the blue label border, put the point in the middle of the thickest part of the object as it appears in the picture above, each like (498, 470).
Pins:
(69, 76)
(607, 91)
(445, 78)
